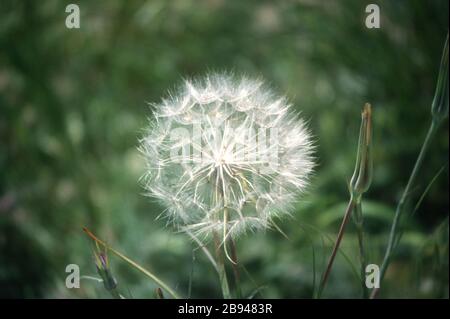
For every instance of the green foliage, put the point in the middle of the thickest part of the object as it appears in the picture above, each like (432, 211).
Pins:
(73, 105)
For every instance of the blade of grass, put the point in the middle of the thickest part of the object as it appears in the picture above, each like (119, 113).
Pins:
(329, 239)
(427, 189)
(419, 202)
(204, 249)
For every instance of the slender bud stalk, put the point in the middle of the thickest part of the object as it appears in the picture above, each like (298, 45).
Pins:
(359, 184)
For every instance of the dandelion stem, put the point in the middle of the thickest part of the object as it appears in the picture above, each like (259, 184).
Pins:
(235, 267)
(221, 267)
(132, 263)
(348, 212)
(401, 204)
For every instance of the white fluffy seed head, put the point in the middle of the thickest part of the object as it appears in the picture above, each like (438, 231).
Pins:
(225, 154)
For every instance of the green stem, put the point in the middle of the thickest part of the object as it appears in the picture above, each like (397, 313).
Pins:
(115, 294)
(348, 212)
(401, 204)
(221, 267)
(359, 223)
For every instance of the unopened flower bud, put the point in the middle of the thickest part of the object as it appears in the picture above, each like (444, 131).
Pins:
(362, 176)
(103, 268)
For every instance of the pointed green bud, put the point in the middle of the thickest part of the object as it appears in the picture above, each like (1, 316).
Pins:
(362, 175)
(439, 108)
(103, 268)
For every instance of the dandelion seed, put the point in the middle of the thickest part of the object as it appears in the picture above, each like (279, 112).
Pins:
(224, 154)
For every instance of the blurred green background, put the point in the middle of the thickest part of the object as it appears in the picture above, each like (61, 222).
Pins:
(73, 105)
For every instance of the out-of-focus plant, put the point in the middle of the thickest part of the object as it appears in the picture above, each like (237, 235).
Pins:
(439, 112)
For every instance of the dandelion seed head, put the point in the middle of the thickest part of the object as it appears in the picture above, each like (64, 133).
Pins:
(224, 153)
